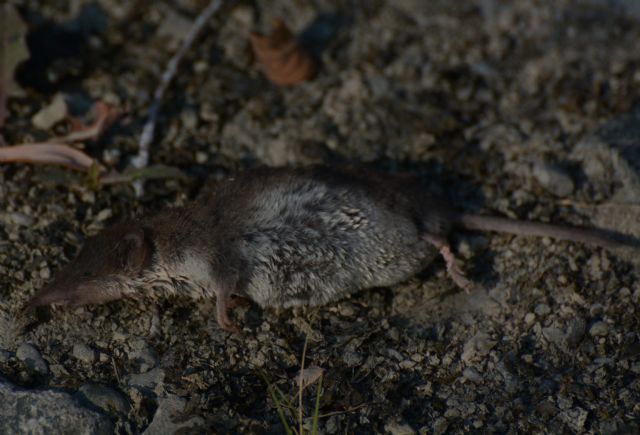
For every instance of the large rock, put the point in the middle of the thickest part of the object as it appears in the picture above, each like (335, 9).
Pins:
(611, 160)
(46, 412)
(612, 155)
(169, 419)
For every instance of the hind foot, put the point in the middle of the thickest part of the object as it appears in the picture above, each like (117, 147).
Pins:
(453, 270)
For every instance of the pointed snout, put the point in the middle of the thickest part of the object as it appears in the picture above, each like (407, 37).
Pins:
(82, 294)
(52, 294)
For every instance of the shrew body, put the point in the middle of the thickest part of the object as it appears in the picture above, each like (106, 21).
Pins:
(281, 237)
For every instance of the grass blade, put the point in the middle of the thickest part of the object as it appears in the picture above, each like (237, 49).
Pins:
(316, 411)
(276, 400)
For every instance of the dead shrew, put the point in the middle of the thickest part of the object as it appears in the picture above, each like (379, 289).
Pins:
(282, 237)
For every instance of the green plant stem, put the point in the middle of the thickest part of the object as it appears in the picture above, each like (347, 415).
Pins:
(316, 411)
(301, 382)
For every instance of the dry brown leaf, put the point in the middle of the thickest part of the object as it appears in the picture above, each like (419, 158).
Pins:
(309, 375)
(283, 60)
(47, 153)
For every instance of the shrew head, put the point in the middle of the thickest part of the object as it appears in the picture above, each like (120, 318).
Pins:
(105, 269)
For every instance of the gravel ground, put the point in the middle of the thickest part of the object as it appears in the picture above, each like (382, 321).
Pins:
(521, 108)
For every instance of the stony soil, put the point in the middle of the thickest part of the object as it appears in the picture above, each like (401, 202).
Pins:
(497, 106)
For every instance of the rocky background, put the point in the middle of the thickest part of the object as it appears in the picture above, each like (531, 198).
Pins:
(521, 108)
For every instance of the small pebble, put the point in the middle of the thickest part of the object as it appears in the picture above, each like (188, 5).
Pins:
(553, 179)
(201, 157)
(151, 380)
(17, 218)
(529, 318)
(119, 336)
(200, 66)
(84, 353)
(105, 398)
(599, 329)
(575, 331)
(30, 356)
(440, 426)
(189, 119)
(351, 359)
(346, 310)
(477, 346)
(45, 273)
(542, 310)
(170, 418)
(472, 374)
(596, 310)
(407, 364)
(103, 215)
(399, 429)
(452, 413)
(554, 335)
(574, 418)
(144, 355)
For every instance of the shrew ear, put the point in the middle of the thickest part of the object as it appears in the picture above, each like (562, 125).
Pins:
(135, 249)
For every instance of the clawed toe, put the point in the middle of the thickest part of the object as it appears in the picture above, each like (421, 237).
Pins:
(454, 272)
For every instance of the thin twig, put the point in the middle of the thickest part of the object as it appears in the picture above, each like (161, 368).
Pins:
(115, 369)
(346, 411)
(142, 159)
